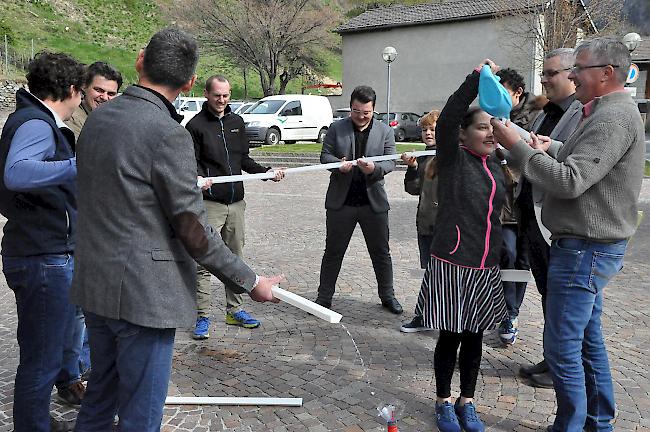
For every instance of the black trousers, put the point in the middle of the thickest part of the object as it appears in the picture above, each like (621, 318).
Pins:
(469, 361)
(538, 254)
(340, 225)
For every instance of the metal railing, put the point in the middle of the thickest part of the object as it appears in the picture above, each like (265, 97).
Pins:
(12, 59)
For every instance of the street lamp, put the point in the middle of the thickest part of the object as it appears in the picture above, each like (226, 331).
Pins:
(389, 55)
(631, 41)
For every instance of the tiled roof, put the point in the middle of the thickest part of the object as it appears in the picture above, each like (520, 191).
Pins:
(642, 52)
(437, 11)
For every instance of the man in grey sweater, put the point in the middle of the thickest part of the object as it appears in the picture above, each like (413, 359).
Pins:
(591, 184)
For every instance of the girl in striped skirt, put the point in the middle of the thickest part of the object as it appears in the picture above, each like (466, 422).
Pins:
(461, 292)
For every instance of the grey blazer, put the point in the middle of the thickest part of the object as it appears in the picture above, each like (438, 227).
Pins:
(339, 143)
(142, 222)
(562, 131)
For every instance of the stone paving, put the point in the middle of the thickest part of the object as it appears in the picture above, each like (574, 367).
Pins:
(345, 371)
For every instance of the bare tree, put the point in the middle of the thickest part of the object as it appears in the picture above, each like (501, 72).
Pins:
(276, 38)
(550, 24)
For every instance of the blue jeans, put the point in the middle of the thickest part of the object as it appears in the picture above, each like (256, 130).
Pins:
(574, 347)
(72, 346)
(131, 369)
(84, 358)
(513, 256)
(41, 285)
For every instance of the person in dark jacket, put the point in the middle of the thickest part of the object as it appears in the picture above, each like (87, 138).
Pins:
(39, 199)
(514, 253)
(420, 179)
(221, 149)
(525, 107)
(461, 292)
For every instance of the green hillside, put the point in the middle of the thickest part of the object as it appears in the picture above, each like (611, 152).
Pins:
(113, 31)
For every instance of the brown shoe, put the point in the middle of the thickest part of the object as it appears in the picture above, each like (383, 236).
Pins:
(73, 394)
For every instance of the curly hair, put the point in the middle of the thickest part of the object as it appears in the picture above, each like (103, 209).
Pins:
(512, 79)
(50, 75)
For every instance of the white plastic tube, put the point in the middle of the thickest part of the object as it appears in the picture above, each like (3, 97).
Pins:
(306, 305)
(241, 401)
(308, 168)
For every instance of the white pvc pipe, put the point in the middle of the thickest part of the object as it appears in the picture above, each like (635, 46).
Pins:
(271, 174)
(306, 305)
(509, 275)
(224, 401)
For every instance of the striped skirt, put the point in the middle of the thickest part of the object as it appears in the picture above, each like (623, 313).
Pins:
(456, 298)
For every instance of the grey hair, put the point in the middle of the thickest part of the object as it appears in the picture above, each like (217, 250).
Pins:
(566, 55)
(170, 58)
(611, 51)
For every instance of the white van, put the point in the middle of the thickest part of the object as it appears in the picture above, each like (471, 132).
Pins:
(188, 107)
(288, 118)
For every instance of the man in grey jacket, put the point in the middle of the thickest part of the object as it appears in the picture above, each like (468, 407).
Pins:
(591, 185)
(560, 117)
(356, 195)
(142, 226)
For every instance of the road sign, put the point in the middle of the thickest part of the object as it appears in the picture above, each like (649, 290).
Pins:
(633, 74)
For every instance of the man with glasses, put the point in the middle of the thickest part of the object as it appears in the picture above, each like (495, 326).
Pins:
(356, 195)
(560, 117)
(102, 83)
(221, 149)
(38, 196)
(592, 184)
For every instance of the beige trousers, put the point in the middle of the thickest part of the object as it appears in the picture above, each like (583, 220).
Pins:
(228, 220)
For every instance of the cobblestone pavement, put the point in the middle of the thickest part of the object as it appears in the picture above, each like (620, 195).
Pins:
(345, 371)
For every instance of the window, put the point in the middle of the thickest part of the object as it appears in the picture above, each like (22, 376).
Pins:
(293, 108)
(270, 106)
(405, 117)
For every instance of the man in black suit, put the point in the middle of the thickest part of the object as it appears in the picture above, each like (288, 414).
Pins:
(357, 195)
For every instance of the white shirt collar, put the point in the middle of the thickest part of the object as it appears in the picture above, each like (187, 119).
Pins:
(57, 119)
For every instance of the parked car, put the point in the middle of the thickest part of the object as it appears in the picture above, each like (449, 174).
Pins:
(243, 108)
(234, 105)
(288, 118)
(188, 107)
(340, 114)
(405, 125)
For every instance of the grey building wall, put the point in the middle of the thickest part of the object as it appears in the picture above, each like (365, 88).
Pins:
(432, 61)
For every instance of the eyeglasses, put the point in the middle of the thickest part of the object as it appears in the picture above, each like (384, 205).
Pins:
(550, 73)
(365, 113)
(578, 69)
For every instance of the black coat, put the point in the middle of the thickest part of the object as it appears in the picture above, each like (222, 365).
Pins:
(221, 149)
(471, 191)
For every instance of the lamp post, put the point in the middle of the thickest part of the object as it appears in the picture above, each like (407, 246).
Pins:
(389, 55)
(631, 41)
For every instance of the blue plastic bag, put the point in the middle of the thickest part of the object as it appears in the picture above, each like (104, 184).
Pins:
(493, 98)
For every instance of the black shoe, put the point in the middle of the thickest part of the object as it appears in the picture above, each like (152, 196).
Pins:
(415, 325)
(325, 303)
(542, 380)
(392, 305)
(61, 425)
(539, 368)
